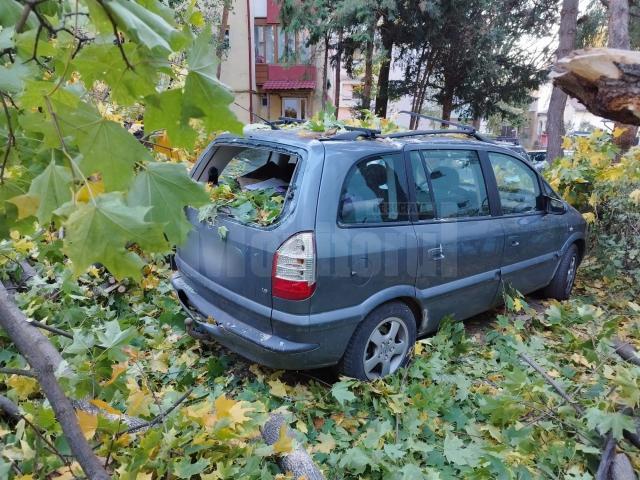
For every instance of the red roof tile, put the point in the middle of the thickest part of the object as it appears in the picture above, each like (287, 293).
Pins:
(289, 85)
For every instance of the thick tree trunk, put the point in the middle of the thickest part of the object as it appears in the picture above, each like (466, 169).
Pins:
(555, 114)
(618, 31)
(368, 74)
(447, 106)
(44, 360)
(338, 80)
(382, 96)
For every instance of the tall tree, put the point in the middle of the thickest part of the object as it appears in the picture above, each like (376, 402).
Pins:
(618, 32)
(558, 101)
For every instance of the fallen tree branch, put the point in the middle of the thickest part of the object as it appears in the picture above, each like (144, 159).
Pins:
(556, 386)
(11, 410)
(626, 351)
(621, 468)
(298, 462)
(608, 453)
(160, 417)
(51, 329)
(44, 360)
(17, 371)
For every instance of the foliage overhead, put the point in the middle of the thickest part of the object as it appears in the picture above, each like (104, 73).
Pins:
(73, 77)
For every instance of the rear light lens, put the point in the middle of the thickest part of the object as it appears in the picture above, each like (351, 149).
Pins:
(294, 268)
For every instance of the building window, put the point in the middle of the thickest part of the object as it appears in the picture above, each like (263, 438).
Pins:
(265, 101)
(294, 108)
(265, 43)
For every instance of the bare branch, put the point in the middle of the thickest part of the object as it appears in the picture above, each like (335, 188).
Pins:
(118, 40)
(17, 371)
(51, 329)
(158, 419)
(556, 386)
(11, 140)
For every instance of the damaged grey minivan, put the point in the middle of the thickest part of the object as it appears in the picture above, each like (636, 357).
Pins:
(378, 238)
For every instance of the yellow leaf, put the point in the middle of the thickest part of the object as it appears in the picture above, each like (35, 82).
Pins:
(27, 205)
(201, 414)
(517, 305)
(554, 373)
(88, 423)
(234, 411)
(589, 217)
(300, 425)
(24, 386)
(116, 371)
(285, 442)
(93, 271)
(105, 406)
(581, 360)
(566, 143)
(144, 476)
(24, 477)
(618, 132)
(277, 388)
(327, 443)
(90, 189)
(138, 404)
(163, 145)
(635, 196)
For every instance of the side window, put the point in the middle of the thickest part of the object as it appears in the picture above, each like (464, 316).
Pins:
(518, 185)
(458, 184)
(373, 192)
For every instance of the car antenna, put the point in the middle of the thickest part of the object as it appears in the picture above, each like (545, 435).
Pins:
(271, 124)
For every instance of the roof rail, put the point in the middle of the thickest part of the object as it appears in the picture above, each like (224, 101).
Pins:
(353, 133)
(460, 128)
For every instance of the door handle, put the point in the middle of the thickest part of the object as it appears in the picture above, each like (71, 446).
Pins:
(515, 243)
(514, 240)
(436, 253)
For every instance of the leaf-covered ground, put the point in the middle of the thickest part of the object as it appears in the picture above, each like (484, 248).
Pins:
(467, 406)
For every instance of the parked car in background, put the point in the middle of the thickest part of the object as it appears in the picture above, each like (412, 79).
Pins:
(538, 159)
(379, 238)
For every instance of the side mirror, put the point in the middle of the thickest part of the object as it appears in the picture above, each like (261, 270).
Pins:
(554, 206)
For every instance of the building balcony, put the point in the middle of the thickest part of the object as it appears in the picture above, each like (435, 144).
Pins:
(284, 77)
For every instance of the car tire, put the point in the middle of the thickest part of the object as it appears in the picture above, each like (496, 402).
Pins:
(562, 282)
(381, 344)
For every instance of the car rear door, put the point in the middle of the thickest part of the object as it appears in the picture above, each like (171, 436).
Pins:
(229, 262)
(460, 243)
(533, 238)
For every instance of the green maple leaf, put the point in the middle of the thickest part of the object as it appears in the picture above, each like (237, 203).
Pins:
(145, 26)
(605, 422)
(164, 111)
(455, 452)
(106, 147)
(205, 96)
(341, 393)
(98, 233)
(185, 469)
(355, 459)
(166, 188)
(103, 62)
(53, 189)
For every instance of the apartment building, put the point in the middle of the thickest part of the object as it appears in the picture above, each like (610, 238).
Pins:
(272, 72)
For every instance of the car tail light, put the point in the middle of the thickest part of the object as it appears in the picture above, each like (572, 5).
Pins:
(294, 268)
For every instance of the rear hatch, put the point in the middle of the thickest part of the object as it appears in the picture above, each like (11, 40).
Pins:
(228, 255)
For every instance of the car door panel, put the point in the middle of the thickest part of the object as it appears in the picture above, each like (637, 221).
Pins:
(533, 237)
(459, 257)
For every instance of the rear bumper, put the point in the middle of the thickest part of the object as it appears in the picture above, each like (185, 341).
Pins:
(250, 342)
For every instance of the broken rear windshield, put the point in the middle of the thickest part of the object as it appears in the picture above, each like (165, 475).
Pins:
(247, 183)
